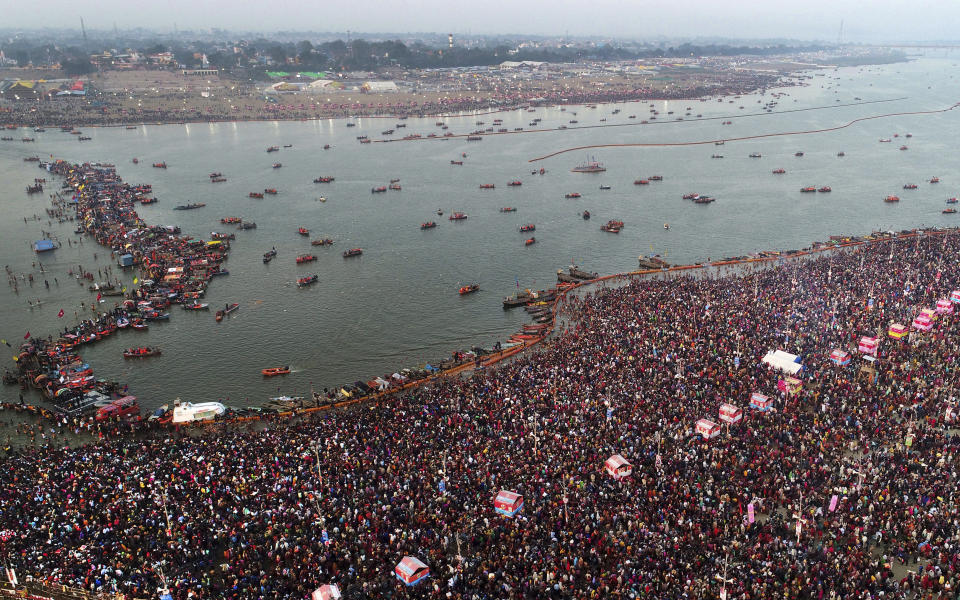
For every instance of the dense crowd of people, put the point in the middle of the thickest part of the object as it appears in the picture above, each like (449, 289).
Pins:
(106, 109)
(341, 497)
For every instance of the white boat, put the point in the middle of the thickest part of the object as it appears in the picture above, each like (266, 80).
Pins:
(186, 412)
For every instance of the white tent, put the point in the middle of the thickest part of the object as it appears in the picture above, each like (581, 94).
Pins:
(784, 361)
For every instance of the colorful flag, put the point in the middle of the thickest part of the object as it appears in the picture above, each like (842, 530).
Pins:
(99, 295)
(26, 336)
(60, 314)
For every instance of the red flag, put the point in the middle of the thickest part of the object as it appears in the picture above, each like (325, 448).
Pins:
(26, 336)
(60, 314)
(99, 295)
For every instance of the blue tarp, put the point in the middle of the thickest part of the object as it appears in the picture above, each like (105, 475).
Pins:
(44, 245)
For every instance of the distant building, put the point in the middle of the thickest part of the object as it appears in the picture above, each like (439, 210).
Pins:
(380, 87)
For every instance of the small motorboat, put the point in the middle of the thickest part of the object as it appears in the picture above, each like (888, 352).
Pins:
(469, 289)
(655, 178)
(779, 171)
(215, 174)
(395, 187)
(516, 183)
(231, 220)
(271, 371)
(303, 231)
(196, 306)
(910, 186)
(666, 225)
(507, 209)
(798, 154)
(604, 187)
(825, 188)
(487, 186)
(456, 162)
(891, 199)
(271, 191)
(903, 147)
(323, 242)
(256, 194)
(530, 241)
(305, 281)
(305, 258)
(951, 200)
(269, 255)
(934, 180)
(141, 352)
(808, 189)
(378, 190)
(323, 180)
(428, 225)
(458, 216)
(755, 155)
(288, 145)
(641, 182)
(229, 308)
(528, 227)
(273, 149)
(586, 215)
(247, 225)
(326, 146)
(352, 252)
(949, 211)
(572, 195)
(439, 212)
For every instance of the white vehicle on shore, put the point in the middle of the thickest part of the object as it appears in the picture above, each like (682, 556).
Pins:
(186, 412)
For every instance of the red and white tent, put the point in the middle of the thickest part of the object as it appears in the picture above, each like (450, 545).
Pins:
(618, 467)
(944, 307)
(923, 322)
(508, 503)
(730, 414)
(760, 402)
(707, 428)
(411, 571)
(326, 592)
(868, 345)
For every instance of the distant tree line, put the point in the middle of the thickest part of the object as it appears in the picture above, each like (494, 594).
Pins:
(358, 54)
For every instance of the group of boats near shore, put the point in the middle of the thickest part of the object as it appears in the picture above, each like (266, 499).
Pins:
(176, 270)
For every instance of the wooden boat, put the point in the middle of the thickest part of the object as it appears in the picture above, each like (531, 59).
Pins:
(378, 190)
(309, 279)
(271, 191)
(305, 258)
(572, 195)
(249, 225)
(271, 371)
(949, 211)
(825, 188)
(256, 194)
(273, 149)
(507, 209)
(231, 220)
(586, 215)
(352, 252)
(469, 289)
(808, 189)
(779, 171)
(323, 180)
(395, 187)
(428, 225)
(196, 306)
(160, 165)
(142, 352)
(487, 186)
(528, 227)
(218, 180)
(891, 199)
(189, 206)
(303, 231)
(269, 255)
(458, 216)
(530, 241)
(910, 186)
(226, 311)
(277, 165)
(516, 183)
(934, 180)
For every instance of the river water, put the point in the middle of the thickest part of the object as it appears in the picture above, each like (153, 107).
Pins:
(397, 305)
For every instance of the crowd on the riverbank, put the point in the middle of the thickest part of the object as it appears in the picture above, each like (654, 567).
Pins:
(110, 110)
(253, 515)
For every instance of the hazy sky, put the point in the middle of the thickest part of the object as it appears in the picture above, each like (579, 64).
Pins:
(864, 20)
